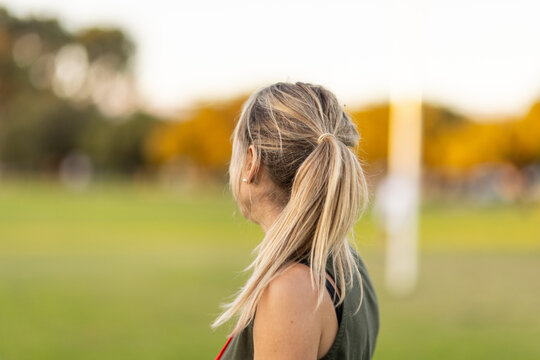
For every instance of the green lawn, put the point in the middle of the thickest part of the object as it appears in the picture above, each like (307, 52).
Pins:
(137, 272)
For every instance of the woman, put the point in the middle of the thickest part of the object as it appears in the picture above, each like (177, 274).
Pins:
(294, 173)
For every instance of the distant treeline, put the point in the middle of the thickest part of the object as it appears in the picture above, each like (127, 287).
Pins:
(65, 93)
(452, 143)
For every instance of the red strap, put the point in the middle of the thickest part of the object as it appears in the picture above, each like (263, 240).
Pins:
(223, 350)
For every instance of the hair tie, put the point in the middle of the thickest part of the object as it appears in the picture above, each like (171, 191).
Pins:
(324, 136)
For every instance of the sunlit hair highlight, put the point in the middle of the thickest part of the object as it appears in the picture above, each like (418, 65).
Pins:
(322, 188)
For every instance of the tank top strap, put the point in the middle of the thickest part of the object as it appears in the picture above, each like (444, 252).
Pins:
(332, 291)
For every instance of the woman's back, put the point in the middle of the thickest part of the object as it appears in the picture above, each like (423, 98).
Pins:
(357, 333)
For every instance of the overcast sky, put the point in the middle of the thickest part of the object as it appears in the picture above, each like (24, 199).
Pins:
(481, 57)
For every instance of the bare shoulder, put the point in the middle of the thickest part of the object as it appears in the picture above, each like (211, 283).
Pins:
(292, 287)
(286, 324)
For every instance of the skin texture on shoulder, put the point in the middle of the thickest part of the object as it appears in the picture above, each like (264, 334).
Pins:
(287, 323)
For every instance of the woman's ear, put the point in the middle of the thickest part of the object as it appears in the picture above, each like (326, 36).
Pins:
(252, 166)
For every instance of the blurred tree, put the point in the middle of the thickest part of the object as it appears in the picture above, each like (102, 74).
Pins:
(203, 137)
(441, 128)
(53, 84)
(372, 123)
(524, 144)
(49, 37)
(118, 147)
(106, 43)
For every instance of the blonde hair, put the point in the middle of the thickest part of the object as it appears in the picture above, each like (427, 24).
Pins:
(304, 139)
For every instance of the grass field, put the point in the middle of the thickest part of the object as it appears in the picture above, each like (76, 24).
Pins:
(138, 272)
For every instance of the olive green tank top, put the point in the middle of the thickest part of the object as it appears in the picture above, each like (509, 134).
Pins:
(357, 333)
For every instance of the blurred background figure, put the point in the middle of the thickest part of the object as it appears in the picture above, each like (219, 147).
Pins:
(115, 125)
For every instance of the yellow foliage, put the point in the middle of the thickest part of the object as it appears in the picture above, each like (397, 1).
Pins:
(450, 141)
(202, 138)
(372, 124)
